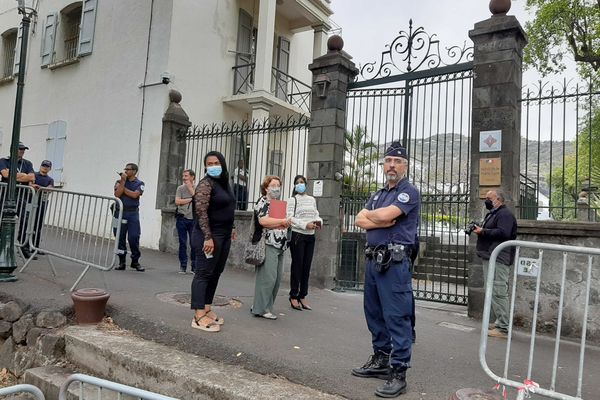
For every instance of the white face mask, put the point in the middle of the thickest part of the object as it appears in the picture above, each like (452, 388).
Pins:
(275, 193)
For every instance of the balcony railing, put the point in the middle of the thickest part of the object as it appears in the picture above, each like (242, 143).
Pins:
(283, 86)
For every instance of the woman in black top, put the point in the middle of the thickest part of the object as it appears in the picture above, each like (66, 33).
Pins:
(214, 209)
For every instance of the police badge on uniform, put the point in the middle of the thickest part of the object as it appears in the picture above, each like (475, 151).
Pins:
(403, 197)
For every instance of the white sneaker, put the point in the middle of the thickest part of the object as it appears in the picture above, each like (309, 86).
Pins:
(269, 315)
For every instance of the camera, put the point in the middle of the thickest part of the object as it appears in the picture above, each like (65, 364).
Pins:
(470, 227)
(165, 78)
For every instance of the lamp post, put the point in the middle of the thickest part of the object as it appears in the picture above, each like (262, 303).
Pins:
(9, 215)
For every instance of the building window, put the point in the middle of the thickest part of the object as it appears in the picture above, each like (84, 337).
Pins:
(70, 31)
(9, 44)
(68, 35)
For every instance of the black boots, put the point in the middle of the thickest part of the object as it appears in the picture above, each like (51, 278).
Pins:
(121, 265)
(377, 366)
(136, 265)
(395, 384)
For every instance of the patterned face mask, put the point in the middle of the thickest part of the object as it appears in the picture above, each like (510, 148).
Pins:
(275, 193)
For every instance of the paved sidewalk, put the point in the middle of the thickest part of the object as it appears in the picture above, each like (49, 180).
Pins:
(315, 348)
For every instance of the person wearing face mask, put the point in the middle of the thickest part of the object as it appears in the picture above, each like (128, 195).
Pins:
(268, 274)
(499, 225)
(302, 210)
(213, 210)
(390, 218)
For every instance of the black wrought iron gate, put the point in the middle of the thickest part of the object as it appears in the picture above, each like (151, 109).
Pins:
(417, 96)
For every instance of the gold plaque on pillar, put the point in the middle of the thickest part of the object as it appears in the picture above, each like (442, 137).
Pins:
(490, 172)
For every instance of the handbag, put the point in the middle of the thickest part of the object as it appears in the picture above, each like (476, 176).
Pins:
(254, 251)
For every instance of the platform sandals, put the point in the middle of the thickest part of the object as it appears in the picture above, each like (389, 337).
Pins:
(205, 323)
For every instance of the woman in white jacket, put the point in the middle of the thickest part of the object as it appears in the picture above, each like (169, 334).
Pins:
(302, 209)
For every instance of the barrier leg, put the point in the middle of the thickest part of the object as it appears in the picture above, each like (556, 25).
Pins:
(52, 266)
(87, 268)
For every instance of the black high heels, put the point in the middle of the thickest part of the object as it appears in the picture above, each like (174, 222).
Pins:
(295, 307)
(304, 306)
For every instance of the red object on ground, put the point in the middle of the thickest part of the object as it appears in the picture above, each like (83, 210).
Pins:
(89, 305)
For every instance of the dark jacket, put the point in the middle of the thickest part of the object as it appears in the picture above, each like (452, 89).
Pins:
(500, 225)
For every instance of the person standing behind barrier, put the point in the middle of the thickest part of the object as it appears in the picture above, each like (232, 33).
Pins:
(25, 176)
(499, 225)
(240, 185)
(214, 212)
(390, 219)
(42, 180)
(129, 189)
(302, 209)
(268, 274)
(185, 219)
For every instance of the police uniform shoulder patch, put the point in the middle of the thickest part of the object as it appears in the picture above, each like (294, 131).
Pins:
(376, 197)
(142, 187)
(403, 198)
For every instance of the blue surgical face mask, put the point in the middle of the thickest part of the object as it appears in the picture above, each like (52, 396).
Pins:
(214, 171)
(300, 188)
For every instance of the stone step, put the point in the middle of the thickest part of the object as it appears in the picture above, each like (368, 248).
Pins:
(443, 261)
(124, 358)
(435, 269)
(434, 277)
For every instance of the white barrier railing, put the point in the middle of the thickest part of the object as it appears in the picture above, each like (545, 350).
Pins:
(37, 393)
(533, 268)
(101, 385)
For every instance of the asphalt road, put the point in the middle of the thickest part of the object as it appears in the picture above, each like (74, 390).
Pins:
(316, 348)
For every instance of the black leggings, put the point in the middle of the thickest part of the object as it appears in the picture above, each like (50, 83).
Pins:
(302, 248)
(208, 270)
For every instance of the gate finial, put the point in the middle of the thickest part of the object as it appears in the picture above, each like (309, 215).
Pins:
(499, 7)
(335, 43)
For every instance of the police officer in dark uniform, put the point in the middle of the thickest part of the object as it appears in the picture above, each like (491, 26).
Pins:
(390, 219)
(129, 189)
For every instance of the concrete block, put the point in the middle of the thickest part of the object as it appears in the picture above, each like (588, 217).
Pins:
(11, 311)
(50, 319)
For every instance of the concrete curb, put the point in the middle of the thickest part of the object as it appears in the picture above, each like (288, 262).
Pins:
(125, 358)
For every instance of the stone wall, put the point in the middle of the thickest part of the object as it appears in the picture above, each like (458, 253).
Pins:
(28, 338)
(572, 234)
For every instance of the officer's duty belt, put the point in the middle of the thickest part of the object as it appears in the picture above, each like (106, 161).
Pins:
(129, 209)
(371, 251)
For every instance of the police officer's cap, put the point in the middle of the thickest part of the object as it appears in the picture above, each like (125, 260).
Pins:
(396, 150)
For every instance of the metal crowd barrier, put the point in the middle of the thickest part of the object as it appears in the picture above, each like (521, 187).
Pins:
(37, 393)
(534, 267)
(24, 202)
(101, 385)
(75, 226)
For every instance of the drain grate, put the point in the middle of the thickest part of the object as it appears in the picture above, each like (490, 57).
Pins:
(185, 299)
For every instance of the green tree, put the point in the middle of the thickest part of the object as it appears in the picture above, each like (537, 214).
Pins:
(360, 160)
(569, 28)
(562, 27)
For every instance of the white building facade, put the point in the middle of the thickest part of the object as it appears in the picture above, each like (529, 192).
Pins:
(98, 74)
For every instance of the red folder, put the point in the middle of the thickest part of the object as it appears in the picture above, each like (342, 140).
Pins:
(277, 209)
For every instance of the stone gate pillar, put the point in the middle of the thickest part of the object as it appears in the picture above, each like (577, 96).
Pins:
(496, 126)
(331, 74)
(172, 164)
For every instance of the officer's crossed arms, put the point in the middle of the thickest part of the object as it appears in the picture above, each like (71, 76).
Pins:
(379, 218)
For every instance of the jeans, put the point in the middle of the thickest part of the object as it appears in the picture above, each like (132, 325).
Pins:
(499, 310)
(302, 248)
(184, 231)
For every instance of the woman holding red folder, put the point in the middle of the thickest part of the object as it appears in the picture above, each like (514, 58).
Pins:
(268, 274)
(302, 209)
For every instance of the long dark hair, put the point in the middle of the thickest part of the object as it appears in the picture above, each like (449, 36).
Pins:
(296, 181)
(223, 180)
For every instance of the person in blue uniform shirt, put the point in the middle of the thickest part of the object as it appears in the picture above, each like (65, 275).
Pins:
(25, 176)
(42, 179)
(129, 189)
(390, 218)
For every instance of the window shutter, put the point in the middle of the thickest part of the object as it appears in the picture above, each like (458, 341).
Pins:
(55, 149)
(48, 39)
(244, 75)
(18, 50)
(86, 30)
(283, 65)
